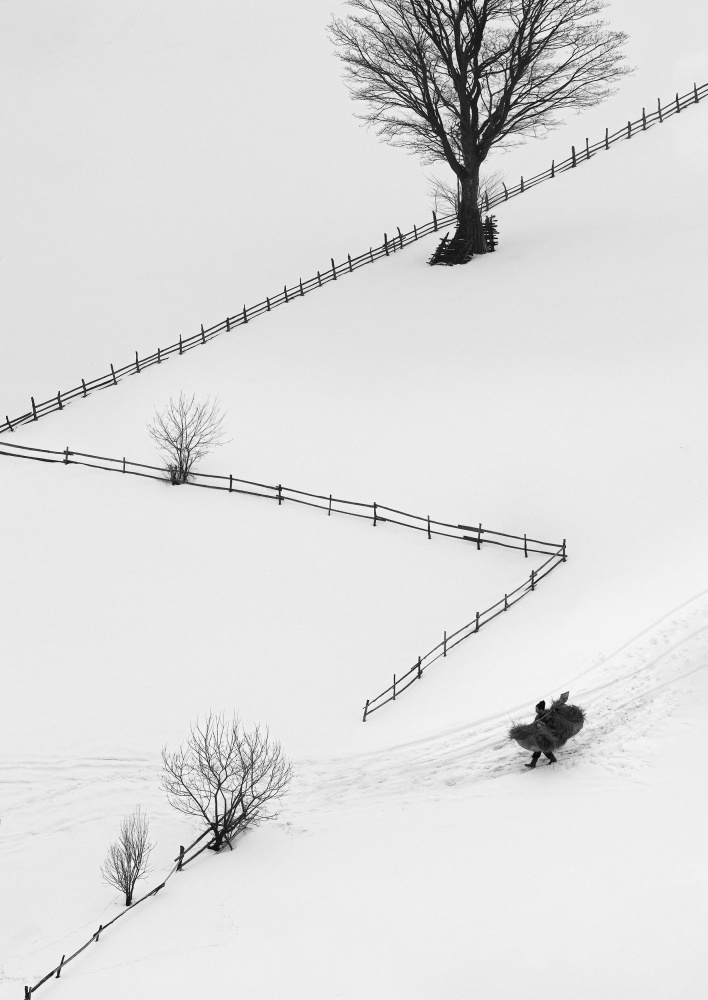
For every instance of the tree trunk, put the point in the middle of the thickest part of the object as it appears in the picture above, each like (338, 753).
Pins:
(128, 897)
(469, 221)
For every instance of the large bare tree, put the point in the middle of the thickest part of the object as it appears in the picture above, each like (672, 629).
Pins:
(226, 776)
(451, 79)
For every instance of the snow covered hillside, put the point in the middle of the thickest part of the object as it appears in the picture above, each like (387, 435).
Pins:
(556, 388)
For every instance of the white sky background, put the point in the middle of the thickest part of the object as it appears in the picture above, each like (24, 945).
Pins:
(165, 162)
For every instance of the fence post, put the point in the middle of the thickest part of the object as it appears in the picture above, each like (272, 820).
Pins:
(533, 579)
(394, 687)
(9, 423)
(84, 384)
(159, 359)
(66, 455)
(280, 494)
(386, 244)
(366, 710)
(371, 254)
(334, 269)
(522, 185)
(526, 551)
(268, 298)
(506, 193)
(374, 514)
(285, 289)
(415, 232)
(123, 463)
(587, 148)
(245, 313)
(329, 509)
(349, 258)
(180, 343)
(695, 94)
(658, 101)
(231, 482)
(607, 138)
(553, 169)
(59, 400)
(476, 620)
(479, 537)
(564, 552)
(429, 535)
(100, 928)
(319, 279)
(678, 106)
(400, 236)
(179, 860)
(420, 672)
(60, 966)
(506, 602)
(629, 130)
(435, 223)
(486, 201)
(137, 363)
(573, 154)
(644, 119)
(34, 408)
(301, 291)
(444, 643)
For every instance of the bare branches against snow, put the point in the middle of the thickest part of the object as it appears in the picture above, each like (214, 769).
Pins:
(225, 776)
(185, 432)
(127, 859)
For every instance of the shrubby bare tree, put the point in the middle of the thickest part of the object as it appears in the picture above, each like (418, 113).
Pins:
(451, 79)
(446, 195)
(127, 859)
(225, 776)
(185, 432)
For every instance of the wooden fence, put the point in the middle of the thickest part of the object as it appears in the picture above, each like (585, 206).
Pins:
(375, 513)
(334, 271)
(181, 861)
(404, 681)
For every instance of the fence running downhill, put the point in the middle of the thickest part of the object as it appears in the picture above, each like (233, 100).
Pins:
(375, 513)
(335, 271)
(181, 862)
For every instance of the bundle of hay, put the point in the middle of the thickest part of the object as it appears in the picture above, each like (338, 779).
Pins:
(554, 728)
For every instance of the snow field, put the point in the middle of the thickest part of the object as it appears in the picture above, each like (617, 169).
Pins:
(555, 388)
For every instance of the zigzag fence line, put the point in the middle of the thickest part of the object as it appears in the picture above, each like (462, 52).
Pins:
(374, 512)
(481, 618)
(181, 862)
(351, 264)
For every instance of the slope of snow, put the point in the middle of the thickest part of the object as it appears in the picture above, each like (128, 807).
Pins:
(556, 388)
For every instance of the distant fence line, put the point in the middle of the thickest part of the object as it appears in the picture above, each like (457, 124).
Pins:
(181, 862)
(335, 271)
(376, 513)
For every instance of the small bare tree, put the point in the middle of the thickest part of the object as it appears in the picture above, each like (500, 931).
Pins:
(225, 776)
(185, 431)
(127, 859)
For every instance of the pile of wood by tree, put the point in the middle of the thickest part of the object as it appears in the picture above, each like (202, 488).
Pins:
(551, 728)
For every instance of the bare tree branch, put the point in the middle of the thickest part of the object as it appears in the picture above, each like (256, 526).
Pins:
(226, 777)
(127, 859)
(452, 79)
(185, 432)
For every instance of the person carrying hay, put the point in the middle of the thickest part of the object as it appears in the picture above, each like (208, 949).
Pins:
(551, 729)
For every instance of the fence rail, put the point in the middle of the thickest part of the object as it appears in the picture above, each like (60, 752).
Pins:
(181, 861)
(375, 513)
(415, 673)
(335, 271)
